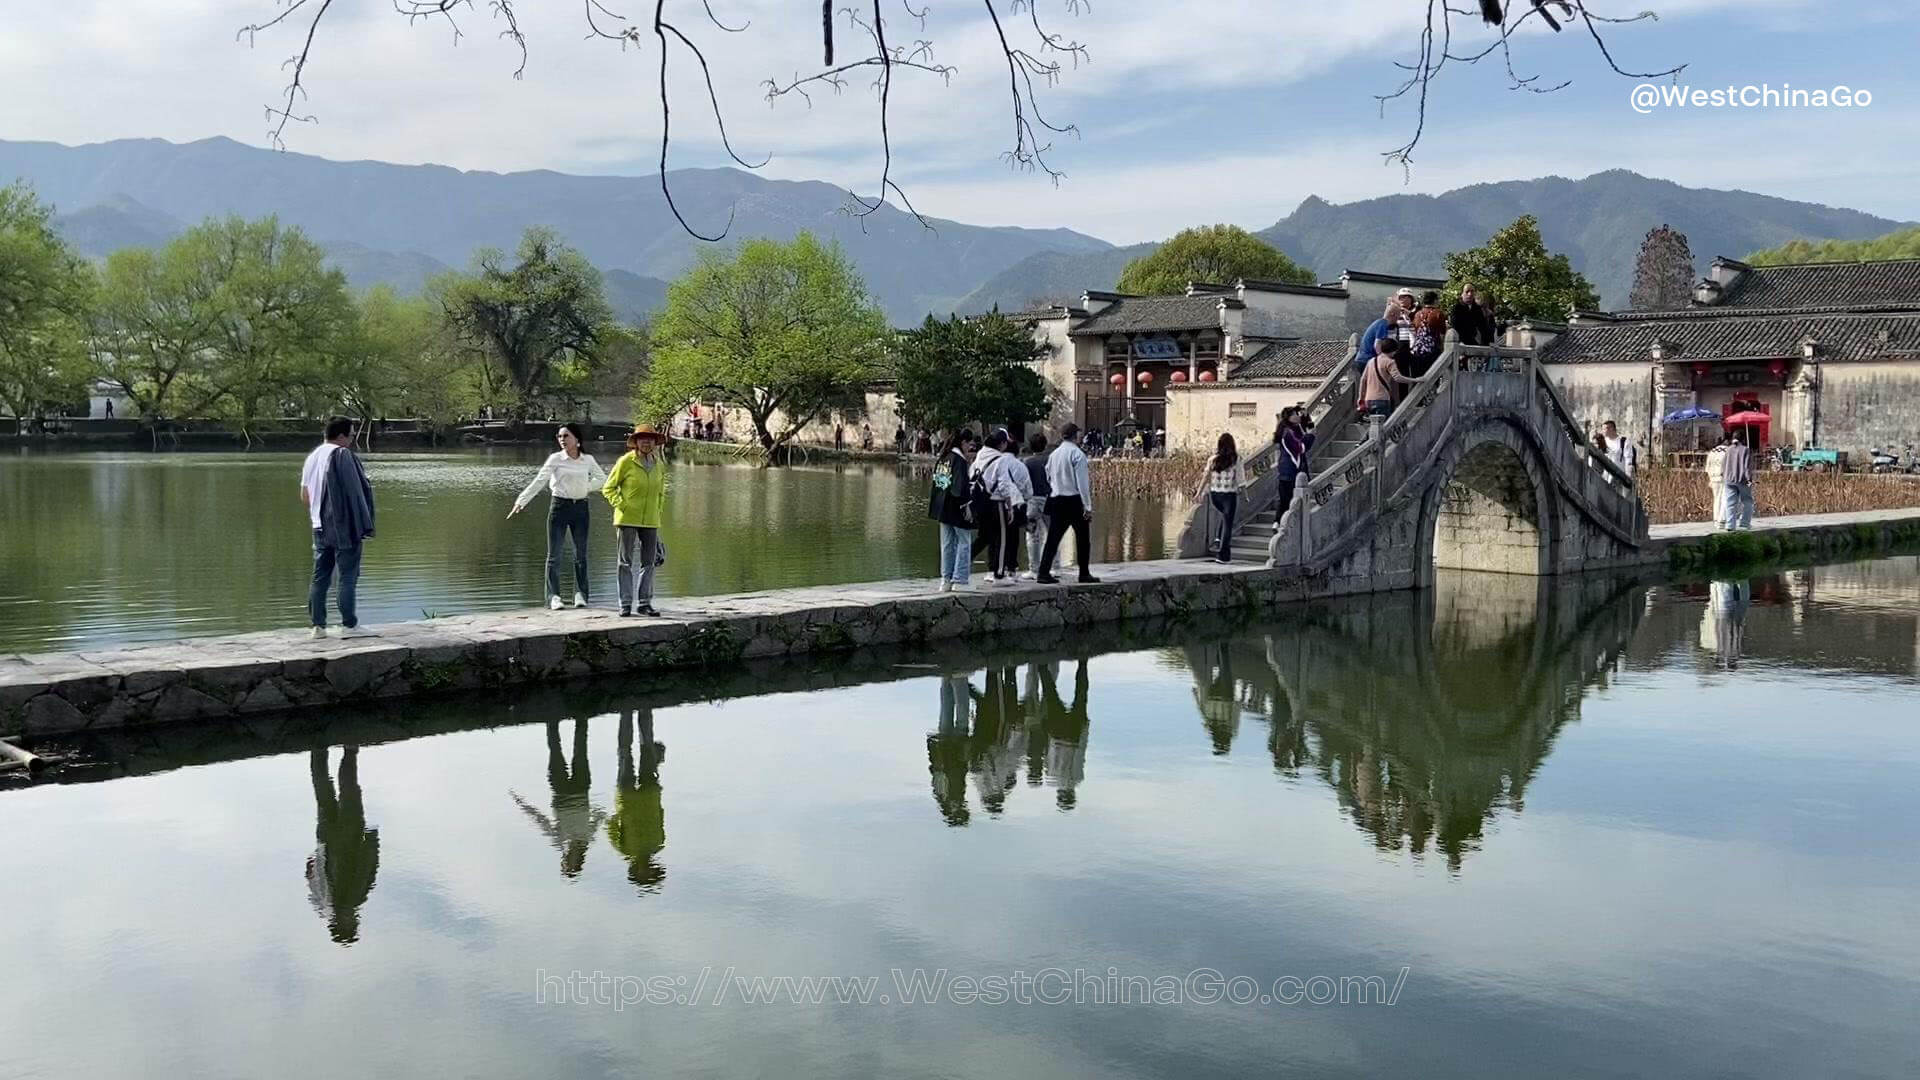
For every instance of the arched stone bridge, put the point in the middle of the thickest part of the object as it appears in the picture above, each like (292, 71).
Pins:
(1480, 467)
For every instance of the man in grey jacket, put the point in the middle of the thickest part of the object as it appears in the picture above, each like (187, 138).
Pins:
(342, 518)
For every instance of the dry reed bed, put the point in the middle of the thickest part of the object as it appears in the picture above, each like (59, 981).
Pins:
(1675, 495)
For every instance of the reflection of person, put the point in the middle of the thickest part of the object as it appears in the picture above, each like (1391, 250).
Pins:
(1730, 601)
(638, 827)
(575, 819)
(999, 739)
(1066, 727)
(1216, 694)
(572, 475)
(346, 855)
(947, 750)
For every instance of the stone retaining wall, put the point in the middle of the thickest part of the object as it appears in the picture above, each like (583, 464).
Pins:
(270, 671)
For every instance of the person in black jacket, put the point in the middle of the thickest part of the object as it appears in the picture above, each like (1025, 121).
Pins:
(951, 504)
(1470, 320)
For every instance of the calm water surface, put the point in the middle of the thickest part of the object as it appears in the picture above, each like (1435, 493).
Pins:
(1621, 831)
(128, 547)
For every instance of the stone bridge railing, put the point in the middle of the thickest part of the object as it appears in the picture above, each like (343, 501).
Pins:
(1387, 480)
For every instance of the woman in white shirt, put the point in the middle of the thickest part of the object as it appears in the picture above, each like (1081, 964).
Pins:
(571, 475)
(1226, 475)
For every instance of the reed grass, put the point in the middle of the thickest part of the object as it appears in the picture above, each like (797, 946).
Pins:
(1676, 495)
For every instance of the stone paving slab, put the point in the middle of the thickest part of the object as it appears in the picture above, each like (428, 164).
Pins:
(274, 670)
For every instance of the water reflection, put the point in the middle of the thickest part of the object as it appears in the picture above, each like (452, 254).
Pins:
(638, 827)
(1723, 626)
(346, 854)
(575, 820)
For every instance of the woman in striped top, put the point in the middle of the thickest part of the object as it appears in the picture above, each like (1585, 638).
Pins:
(1226, 475)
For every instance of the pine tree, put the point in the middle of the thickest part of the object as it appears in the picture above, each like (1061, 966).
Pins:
(1663, 275)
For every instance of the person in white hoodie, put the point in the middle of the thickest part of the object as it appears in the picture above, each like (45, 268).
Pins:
(992, 474)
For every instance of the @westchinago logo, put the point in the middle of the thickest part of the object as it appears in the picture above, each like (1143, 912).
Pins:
(1647, 97)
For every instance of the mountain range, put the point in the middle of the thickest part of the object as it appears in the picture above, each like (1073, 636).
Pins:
(1598, 222)
(401, 224)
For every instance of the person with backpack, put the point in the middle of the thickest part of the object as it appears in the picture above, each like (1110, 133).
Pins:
(1429, 334)
(995, 496)
(951, 504)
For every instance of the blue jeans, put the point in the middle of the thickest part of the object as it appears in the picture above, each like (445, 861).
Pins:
(325, 560)
(567, 516)
(1378, 407)
(1739, 506)
(956, 553)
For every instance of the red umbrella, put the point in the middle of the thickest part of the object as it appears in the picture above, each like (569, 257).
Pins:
(1750, 418)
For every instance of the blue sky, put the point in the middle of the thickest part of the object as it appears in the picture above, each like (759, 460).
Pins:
(1227, 110)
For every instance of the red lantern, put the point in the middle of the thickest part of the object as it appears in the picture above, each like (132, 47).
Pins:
(1207, 376)
(1145, 378)
(1700, 371)
(1178, 377)
(1779, 369)
(1118, 380)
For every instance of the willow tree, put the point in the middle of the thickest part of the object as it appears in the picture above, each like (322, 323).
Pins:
(785, 332)
(45, 290)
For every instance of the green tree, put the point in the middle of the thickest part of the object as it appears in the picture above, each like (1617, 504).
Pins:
(45, 291)
(546, 311)
(786, 332)
(280, 316)
(1900, 244)
(403, 362)
(154, 328)
(1526, 282)
(956, 371)
(1217, 253)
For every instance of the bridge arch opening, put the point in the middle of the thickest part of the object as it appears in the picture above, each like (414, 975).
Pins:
(1488, 514)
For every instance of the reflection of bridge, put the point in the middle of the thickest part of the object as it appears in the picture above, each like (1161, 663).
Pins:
(1480, 467)
(1426, 713)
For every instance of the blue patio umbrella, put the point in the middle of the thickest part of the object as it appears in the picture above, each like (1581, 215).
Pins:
(1689, 415)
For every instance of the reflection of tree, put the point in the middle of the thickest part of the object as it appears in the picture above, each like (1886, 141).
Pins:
(575, 819)
(1424, 724)
(346, 856)
(637, 828)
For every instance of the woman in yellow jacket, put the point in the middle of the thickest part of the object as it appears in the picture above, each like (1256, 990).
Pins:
(637, 491)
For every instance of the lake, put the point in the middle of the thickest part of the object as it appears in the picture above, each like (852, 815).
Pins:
(1500, 828)
(105, 547)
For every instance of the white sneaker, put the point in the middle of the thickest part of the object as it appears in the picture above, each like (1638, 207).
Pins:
(555, 603)
(355, 632)
(319, 633)
(1024, 575)
(579, 600)
(945, 585)
(959, 586)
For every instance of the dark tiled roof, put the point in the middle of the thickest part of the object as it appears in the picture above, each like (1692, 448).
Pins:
(1806, 285)
(1396, 279)
(1292, 360)
(1138, 314)
(1839, 336)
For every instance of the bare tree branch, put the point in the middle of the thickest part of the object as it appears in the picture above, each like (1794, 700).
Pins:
(1034, 59)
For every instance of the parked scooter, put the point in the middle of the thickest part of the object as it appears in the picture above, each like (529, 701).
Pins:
(1886, 461)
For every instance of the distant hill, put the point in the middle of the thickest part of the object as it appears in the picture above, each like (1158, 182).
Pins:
(1598, 222)
(116, 222)
(444, 214)
(1051, 277)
